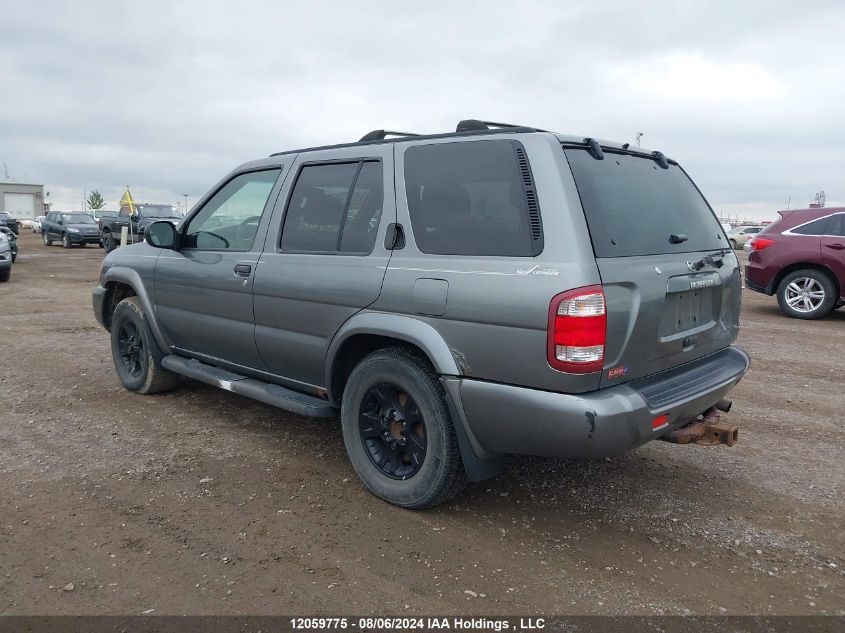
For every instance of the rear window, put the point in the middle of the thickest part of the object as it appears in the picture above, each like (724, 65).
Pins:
(818, 227)
(634, 207)
(472, 198)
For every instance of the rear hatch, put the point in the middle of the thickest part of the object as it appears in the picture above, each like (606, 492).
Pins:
(672, 285)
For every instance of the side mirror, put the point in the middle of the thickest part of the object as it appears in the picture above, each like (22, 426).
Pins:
(59, 221)
(134, 218)
(161, 235)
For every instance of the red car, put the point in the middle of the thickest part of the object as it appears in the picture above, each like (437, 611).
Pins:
(801, 258)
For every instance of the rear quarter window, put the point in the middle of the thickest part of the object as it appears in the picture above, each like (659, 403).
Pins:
(473, 198)
(817, 227)
(633, 206)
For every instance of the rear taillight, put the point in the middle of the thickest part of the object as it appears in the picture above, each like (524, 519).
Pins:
(759, 243)
(577, 330)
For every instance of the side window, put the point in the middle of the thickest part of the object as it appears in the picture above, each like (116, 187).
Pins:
(837, 225)
(819, 227)
(124, 212)
(753, 230)
(229, 220)
(472, 198)
(334, 208)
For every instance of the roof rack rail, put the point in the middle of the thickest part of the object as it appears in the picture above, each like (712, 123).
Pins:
(472, 125)
(380, 135)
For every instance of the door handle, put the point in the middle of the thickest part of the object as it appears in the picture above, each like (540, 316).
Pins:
(836, 246)
(243, 270)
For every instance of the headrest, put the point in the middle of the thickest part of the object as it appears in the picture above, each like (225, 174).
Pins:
(445, 201)
(320, 209)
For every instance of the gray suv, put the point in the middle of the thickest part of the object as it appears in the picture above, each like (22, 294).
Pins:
(455, 297)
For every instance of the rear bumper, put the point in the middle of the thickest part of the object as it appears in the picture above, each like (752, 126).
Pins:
(508, 419)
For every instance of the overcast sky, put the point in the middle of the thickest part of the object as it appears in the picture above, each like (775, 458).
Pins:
(168, 97)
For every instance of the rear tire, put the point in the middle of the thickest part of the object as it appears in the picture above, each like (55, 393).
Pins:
(47, 241)
(806, 294)
(137, 356)
(424, 466)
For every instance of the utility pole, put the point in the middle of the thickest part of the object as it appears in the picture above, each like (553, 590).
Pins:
(637, 136)
(186, 203)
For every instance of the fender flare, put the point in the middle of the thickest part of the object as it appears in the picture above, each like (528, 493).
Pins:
(132, 279)
(405, 328)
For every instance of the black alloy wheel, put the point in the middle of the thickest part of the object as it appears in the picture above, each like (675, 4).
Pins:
(393, 431)
(130, 347)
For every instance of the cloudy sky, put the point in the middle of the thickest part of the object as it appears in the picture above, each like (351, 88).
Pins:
(167, 97)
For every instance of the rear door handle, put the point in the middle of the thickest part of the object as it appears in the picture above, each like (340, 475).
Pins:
(836, 246)
(243, 270)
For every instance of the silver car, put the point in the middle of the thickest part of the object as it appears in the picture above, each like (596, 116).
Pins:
(455, 298)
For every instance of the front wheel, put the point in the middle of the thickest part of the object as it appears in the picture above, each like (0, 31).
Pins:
(806, 294)
(398, 430)
(66, 241)
(137, 356)
(108, 242)
(5, 275)
(733, 244)
(47, 240)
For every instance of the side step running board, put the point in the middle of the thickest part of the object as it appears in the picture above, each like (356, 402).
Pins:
(265, 392)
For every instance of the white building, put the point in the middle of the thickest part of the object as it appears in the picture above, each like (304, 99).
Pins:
(22, 201)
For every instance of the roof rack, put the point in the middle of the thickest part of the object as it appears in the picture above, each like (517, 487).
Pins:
(471, 125)
(378, 135)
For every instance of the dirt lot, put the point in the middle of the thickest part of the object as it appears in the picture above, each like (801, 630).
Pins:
(199, 501)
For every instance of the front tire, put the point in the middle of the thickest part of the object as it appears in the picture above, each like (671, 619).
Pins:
(806, 294)
(66, 241)
(733, 244)
(108, 242)
(47, 241)
(137, 356)
(5, 275)
(398, 430)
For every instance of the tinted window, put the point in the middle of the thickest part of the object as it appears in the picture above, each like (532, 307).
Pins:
(633, 206)
(468, 198)
(229, 220)
(79, 218)
(753, 229)
(322, 216)
(837, 225)
(362, 219)
(819, 227)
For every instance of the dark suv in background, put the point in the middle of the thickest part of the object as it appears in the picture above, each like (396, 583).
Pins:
(9, 222)
(801, 258)
(71, 229)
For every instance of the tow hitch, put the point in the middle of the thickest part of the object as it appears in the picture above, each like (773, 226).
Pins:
(707, 430)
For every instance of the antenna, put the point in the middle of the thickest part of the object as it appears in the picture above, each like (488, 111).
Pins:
(5, 171)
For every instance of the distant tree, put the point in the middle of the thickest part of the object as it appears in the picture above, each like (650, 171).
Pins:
(95, 201)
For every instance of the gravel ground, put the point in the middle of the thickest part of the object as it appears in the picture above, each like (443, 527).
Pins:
(199, 501)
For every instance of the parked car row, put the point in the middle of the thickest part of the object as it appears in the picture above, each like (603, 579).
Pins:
(8, 252)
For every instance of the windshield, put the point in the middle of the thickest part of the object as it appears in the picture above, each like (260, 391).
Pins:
(634, 207)
(158, 211)
(78, 218)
